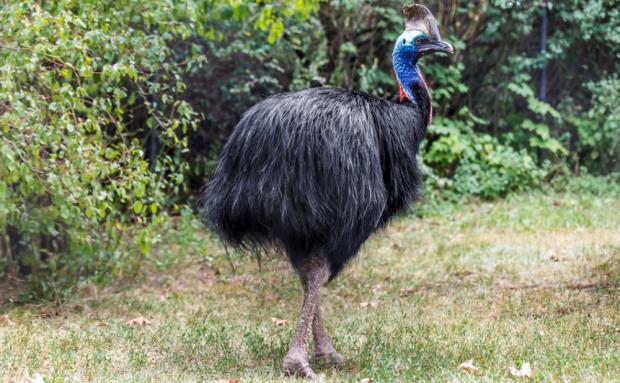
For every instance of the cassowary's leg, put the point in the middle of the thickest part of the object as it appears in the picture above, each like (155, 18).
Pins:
(323, 348)
(313, 274)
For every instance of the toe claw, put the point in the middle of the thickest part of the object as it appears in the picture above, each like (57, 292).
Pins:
(336, 358)
(297, 367)
(332, 358)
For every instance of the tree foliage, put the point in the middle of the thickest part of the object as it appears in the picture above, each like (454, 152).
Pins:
(489, 90)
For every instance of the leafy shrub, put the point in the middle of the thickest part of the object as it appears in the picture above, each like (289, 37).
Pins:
(597, 144)
(76, 190)
(608, 185)
(85, 88)
(474, 164)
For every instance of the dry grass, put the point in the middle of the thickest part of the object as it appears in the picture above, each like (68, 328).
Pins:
(532, 279)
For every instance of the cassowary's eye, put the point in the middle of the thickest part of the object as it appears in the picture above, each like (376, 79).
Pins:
(418, 40)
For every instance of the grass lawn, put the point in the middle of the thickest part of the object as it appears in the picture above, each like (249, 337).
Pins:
(531, 279)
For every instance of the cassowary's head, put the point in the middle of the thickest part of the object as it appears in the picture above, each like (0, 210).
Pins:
(421, 36)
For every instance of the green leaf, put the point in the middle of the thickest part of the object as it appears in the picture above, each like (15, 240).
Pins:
(138, 207)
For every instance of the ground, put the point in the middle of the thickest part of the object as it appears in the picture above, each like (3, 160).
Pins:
(531, 279)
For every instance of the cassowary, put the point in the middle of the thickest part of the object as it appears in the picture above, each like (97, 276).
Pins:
(316, 172)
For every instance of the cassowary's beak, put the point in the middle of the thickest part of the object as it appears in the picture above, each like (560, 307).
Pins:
(434, 47)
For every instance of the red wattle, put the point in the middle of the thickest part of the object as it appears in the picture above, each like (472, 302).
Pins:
(403, 95)
(403, 98)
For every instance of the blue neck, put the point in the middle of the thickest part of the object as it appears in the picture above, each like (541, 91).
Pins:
(408, 74)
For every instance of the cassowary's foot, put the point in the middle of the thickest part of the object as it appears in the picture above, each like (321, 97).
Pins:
(323, 349)
(332, 357)
(297, 365)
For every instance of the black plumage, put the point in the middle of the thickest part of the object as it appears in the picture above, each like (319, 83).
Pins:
(316, 172)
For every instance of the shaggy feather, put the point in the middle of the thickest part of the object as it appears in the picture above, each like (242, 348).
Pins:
(316, 172)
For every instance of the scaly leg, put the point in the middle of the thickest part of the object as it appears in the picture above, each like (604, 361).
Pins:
(323, 348)
(313, 274)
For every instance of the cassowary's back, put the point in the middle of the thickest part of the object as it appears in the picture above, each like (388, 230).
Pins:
(315, 171)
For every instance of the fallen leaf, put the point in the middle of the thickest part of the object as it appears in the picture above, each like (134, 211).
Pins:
(366, 380)
(524, 372)
(37, 378)
(139, 321)
(278, 321)
(5, 321)
(228, 381)
(468, 366)
(372, 304)
(403, 292)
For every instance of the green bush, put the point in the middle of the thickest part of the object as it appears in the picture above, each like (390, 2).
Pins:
(85, 88)
(76, 193)
(466, 163)
(608, 185)
(597, 144)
